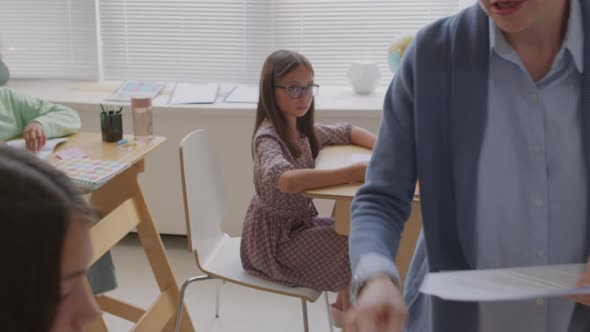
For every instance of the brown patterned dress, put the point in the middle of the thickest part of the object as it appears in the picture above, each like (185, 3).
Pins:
(283, 239)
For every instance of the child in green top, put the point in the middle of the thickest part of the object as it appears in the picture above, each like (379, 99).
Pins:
(34, 119)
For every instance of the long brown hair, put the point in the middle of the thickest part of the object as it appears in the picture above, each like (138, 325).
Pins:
(38, 205)
(276, 66)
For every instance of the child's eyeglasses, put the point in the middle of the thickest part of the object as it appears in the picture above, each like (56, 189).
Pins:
(296, 92)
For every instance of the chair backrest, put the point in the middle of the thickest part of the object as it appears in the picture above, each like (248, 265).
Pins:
(204, 197)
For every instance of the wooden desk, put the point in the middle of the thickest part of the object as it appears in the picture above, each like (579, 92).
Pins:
(121, 207)
(339, 156)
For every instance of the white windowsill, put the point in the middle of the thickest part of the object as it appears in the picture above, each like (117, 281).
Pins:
(331, 100)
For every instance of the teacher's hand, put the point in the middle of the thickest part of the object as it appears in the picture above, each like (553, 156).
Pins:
(380, 308)
(34, 135)
(358, 171)
(584, 281)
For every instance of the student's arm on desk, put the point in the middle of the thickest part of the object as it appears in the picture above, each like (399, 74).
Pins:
(298, 180)
(57, 120)
(277, 170)
(38, 119)
(362, 137)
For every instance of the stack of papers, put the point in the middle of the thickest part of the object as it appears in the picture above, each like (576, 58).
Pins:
(189, 93)
(44, 152)
(183, 93)
(242, 94)
(520, 283)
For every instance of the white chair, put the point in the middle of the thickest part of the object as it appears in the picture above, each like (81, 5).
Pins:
(216, 253)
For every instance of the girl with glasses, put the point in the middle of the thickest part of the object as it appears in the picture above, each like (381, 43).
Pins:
(283, 237)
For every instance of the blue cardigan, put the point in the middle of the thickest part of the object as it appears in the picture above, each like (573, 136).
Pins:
(432, 129)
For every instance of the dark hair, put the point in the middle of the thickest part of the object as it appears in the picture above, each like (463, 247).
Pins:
(37, 205)
(277, 65)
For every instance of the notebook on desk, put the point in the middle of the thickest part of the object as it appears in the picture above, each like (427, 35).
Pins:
(89, 173)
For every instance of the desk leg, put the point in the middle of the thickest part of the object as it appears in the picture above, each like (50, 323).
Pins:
(154, 249)
(121, 204)
(407, 243)
(341, 215)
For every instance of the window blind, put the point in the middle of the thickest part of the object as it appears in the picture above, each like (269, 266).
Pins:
(203, 40)
(228, 40)
(334, 33)
(49, 39)
(218, 40)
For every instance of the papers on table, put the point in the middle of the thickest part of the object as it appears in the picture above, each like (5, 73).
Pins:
(190, 93)
(141, 89)
(506, 284)
(242, 94)
(71, 153)
(182, 93)
(44, 152)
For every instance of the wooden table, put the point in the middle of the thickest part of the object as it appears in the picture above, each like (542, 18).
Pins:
(341, 155)
(122, 207)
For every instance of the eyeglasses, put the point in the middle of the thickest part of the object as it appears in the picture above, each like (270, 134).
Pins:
(296, 92)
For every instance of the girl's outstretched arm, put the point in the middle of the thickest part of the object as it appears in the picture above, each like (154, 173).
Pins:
(362, 137)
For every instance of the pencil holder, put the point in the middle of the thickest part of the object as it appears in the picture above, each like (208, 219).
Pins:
(111, 125)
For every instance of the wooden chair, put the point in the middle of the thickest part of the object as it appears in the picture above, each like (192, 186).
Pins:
(216, 253)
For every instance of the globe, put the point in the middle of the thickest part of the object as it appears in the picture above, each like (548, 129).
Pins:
(396, 51)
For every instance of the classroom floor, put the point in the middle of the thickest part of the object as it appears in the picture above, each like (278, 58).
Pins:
(242, 309)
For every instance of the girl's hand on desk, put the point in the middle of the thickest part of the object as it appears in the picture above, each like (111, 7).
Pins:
(34, 135)
(583, 282)
(358, 171)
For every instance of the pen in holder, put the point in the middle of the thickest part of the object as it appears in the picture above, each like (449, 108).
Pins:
(111, 124)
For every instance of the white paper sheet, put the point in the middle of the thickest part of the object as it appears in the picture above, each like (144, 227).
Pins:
(136, 89)
(44, 152)
(189, 93)
(506, 284)
(357, 158)
(242, 94)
